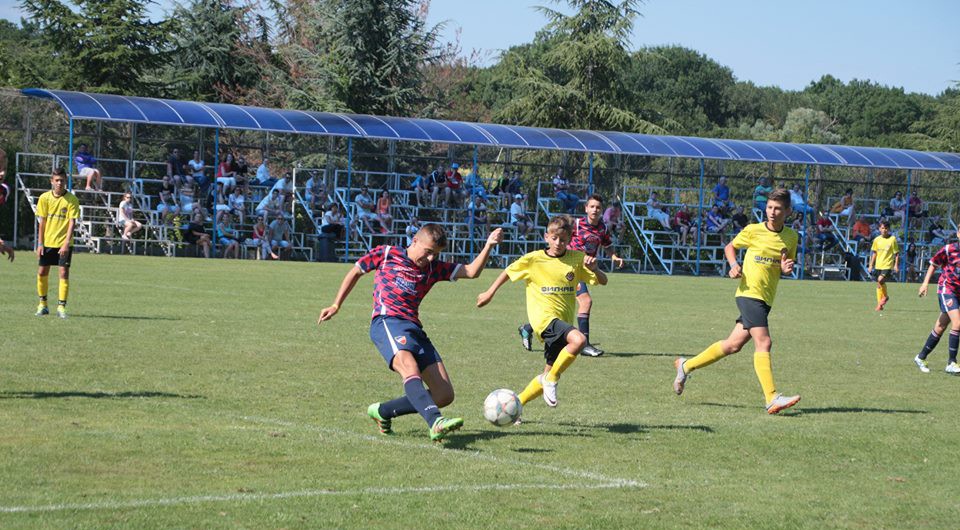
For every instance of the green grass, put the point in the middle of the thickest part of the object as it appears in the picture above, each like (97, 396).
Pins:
(202, 394)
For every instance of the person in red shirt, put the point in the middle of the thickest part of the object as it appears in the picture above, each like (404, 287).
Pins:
(455, 186)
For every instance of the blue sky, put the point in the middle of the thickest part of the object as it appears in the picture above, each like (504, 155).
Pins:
(913, 45)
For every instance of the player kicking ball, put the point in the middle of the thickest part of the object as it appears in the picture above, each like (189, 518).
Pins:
(402, 280)
(771, 251)
(551, 276)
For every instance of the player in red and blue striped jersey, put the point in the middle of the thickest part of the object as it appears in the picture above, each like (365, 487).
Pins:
(590, 234)
(947, 259)
(403, 278)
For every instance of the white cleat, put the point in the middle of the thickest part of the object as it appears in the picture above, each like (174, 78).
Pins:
(952, 368)
(781, 402)
(549, 391)
(681, 378)
(921, 364)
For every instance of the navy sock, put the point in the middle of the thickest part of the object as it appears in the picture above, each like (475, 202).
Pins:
(932, 342)
(583, 324)
(421, 400)
(529, 329)
(954, 343)
(396, 407)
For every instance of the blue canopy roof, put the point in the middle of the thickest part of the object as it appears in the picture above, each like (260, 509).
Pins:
(108, 107)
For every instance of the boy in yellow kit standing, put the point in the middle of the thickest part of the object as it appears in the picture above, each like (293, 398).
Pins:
(885, 259)
(771, 251)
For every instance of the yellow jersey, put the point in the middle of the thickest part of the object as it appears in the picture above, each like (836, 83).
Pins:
(886, 248)
(761, 263)
(58, 211)
(551, 285)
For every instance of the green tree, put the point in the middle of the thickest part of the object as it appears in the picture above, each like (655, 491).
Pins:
(577, 82)
(102, 45)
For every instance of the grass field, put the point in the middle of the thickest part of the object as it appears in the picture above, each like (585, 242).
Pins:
(202, 394)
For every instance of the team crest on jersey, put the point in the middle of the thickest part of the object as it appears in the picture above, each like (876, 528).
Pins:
(401, 340)
(406, 285)
(63, 211)
(570, 276)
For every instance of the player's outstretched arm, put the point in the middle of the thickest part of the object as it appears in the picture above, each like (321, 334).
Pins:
(730, 252)
(349, 281)
(474, 268)
(485, 297)
(926, 280)
(590, 262)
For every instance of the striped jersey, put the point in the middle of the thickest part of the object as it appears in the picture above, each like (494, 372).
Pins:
(588, 238)
(948, 260)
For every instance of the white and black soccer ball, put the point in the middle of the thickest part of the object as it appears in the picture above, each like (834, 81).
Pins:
(502, 407)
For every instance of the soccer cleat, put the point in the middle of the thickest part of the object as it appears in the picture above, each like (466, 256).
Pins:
(62, 312)
(921, 364)
(681, 378)
(444, 426)
(42, 310)
(549, 391)
(781, 402)
(952, 368)
(592, 351)
(525, 338)
(883, 302)
(385, 425)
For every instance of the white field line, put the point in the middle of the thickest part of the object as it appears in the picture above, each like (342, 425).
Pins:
(588, 475)
(248, 497)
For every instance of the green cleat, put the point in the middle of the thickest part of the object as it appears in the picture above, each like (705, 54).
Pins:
(383, 424)
(42, 310)
(444, 426)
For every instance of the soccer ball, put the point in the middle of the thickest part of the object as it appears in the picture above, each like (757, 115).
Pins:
(502, 407)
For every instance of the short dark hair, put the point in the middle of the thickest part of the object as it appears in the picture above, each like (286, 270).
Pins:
(60, 172)
(595, 197)
(780, 195)
(434, 232)
(884, 222)
(848, 191)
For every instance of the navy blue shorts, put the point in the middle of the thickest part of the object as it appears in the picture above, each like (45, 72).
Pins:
(391, 334)
(948, 302)
(582, 289)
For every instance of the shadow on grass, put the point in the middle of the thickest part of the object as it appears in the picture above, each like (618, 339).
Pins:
(125, 317)
(800, 410)
(639, 354)
(636, 428)
(463, 440)
(94, 395)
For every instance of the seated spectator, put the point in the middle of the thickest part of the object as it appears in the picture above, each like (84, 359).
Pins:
(85, 163)
(227, 174)
(519, 217)
(263, 174)
(166, 200)
(797, 202)
(196, 166)
(721, 195)
(242, 170)
(825, 233)
(569, 200)
(845, 206)
(332, 221)
(916, 206)
(384, 203)
(261, 239)
(515, 186)
(478, 214)
(861, 231)
(657, 211)
(285, 187)
(314, 185)
(279, 231)
(454, 192)
(412, 228)
(739, 221)
(421, 189)
(683, 224)
(438, 183)
(500, 190)
(194, 233)
(897, 207)
(320, 201)
(716, 223)
(937, 234)
(235, 202)
(176, 170)
(125, 220)
(187, 196)
(760, 194)
(270, 206)
(613, 219)
(228, 236)
(366, 210)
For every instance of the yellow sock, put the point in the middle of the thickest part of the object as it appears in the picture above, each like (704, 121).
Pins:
(883, 289)
(64, 289)
(564, 360)
(533, 391)
(879, 294)
(712, 354)
(764, 369)
(42, 283)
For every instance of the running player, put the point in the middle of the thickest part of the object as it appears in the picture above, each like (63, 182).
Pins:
(947, 259)
(57, 213)
(885, 259)
(402, 280)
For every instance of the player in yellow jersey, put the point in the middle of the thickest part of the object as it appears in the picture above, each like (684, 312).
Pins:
(771, 251)
(885, 259)
(57, 213)
(551, 276)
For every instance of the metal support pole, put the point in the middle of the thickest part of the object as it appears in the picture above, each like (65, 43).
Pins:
(346, 242)
(700, 223)
(70, 159)
(906, 229)
(216, 167)
(590, 176)
(806, 224)
(471, 210)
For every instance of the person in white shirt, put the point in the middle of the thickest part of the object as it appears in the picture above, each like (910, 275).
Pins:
(519, 217)
(125, 219)
(332, 221)
(270, 206)
(366, 211)
(412, 229)
(236, 202)
(196, 167)
(655, 210)
(263, 173)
